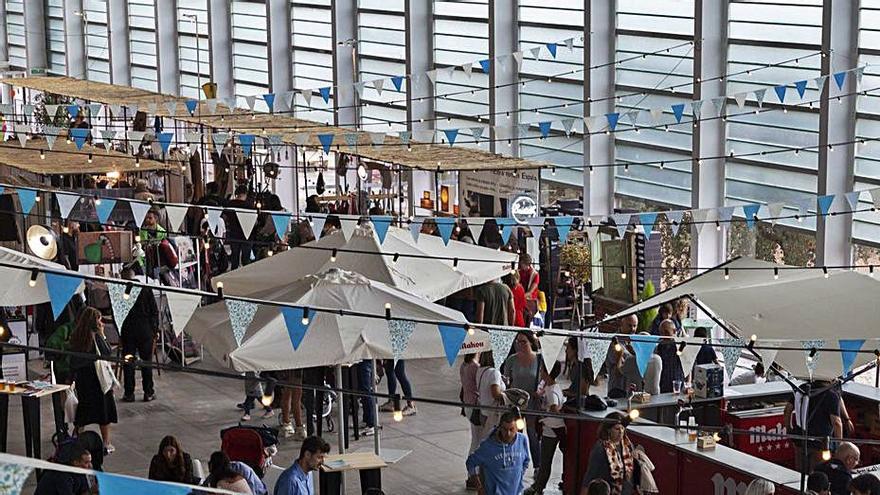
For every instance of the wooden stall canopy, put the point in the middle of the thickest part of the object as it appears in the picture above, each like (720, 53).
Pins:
(432, 157)
(59, 161)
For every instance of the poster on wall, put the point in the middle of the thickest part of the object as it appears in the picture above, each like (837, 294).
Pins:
(14, 365)
(487, 193)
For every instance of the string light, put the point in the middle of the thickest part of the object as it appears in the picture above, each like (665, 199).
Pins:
(220, 289)
(455, 264)
(616, 343)
(388, 311)
(470, 330)
(812, 354)
(623, 272)
(127, 294)
(33, 281)
(634, 414)
(395, 258)
(305, 318)
(775, 273)
(269, 252)
(825, 271)
(42, 155)
(826, 450)
(90, 158)
(97, 200)
(717, 225)
(333, 256)
(752, 341)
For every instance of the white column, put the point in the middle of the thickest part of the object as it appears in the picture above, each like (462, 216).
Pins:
(599, 45)
(74, 30)
(345, 71)
(840, 23)
(167, 54)
(707, 178)
(503, 40)
(120, 54)
(220, 34)
(281, 73)
(4, 45)
(419, 59)
(35, 34)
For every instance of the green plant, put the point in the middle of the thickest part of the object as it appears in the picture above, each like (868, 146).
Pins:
(647, 316)
(575, 257)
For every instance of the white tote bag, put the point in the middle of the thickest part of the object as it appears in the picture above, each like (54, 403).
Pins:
(104, 370)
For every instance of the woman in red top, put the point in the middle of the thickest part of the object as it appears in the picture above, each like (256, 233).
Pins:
(529, 278)
(519, 298)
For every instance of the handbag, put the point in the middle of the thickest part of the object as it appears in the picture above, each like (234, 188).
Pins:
(70, 404)
(104, 370)
(476, 416)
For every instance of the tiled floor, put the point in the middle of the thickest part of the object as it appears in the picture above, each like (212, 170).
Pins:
(195, 408)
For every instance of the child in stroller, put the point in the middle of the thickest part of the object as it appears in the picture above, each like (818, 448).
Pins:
(252, 445)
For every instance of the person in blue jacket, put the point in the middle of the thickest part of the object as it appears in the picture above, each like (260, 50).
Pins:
(502, 458)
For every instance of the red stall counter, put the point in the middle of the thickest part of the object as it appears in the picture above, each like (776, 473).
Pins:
(763, 424)
(725, 471)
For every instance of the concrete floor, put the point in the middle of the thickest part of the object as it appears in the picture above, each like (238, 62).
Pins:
(195, 408)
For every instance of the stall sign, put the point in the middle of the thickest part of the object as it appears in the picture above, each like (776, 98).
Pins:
(489, 193)
(522, 208)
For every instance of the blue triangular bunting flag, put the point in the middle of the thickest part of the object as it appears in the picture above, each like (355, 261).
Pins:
(801, 87)
(114, 483)
(296, 327)
(452, 338)
(749, 211)
(780, 92)
(326, 140)
(551, 47)
(415, 229)
(27, 198)
(445, 225)
(79, 136)
(325, 94)
(247, 143)
(840, 79)
(191, 106)
(678, 111)
(451, 134)
(73, 110)
(849, 350)
(563, 226)
(61, 288)
(397, 81)
(506, 225)
(485, 65)
(380, 226)
(647, 220)
(104, 209)
(281, 221)
(545, 127)
(165, 140)
(612, 118)
(824, 203)
(269, 98)
(644, 346)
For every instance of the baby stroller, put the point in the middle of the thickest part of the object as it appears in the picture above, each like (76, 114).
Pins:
(327, 409)
(252, 445)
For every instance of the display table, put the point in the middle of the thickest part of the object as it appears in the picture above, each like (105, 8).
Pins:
(367, 464)
(31, 414)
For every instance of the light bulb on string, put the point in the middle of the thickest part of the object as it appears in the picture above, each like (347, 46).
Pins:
(33, 281)
(470, 330)
(333, 256)
(775, 273)
(634, 414)
(388, 311)
(825, 271)
(127, 294)
(455, 265)
(616, 343)
(305, 317)
(727, 274)
(220, 289)
(42, 155)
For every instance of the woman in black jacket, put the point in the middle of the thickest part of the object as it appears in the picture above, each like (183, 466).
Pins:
(95, 406)
(171, 463)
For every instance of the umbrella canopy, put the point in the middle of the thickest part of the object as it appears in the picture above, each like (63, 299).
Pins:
(15, 290)
(800, 304)
(430, 279)
(334, 339)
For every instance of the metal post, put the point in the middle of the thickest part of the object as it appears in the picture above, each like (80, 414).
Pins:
(340, 419)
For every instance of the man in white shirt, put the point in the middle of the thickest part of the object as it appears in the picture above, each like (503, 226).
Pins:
(553, 435)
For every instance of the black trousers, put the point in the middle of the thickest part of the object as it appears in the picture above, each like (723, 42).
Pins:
(240, 253)
(140, 345)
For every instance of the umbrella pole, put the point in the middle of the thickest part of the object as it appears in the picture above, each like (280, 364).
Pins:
(378, 428)
(340, 411)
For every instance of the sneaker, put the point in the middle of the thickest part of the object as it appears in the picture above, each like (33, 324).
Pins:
(149, 397)
(240, 405)
(471, 484)
(246, 417)
(286, 430)
(269, 413)
(109, 449)
(128, 398)
(387, 407)
(299, 434)
(409, 410)
(368, 431)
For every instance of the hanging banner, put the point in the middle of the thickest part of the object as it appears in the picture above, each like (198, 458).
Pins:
(489, 193)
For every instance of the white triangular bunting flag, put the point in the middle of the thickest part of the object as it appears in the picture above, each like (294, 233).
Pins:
(592, 231)
(768, 351)
(52, 111)
(66, 202)
(181, 306)
(116, 110)
(108, 135)
(718, 103)
(468, 69)
(774, 211)
(193, 139)
(241, 314)
(477, 132)
(176, 214)
(379, 84)
(696, 106)
(820, 83)
(551, 345)
(475, 224)
(687, 356)
(698, 218)
(852, 199)
(621, 222)
(536, 225)
(536, 52)
(518, 57)
(219, 139)
(307, 96)
(247, 220)
(212, 105)
(567, 124)
(569, 43)
(450, 72)
(359, 88)
(94, 109)
(594, 348)
(51, 133)
(740, 99)
(214, 219)
(759, 95)
(21, 132)
(348, 226)
(300, 138)
(415, 229)
(139, 211)
(377, 138)
(135, 138)
(432, 76)
(656, 113)
(501, 342)
(251, 101)
(171, 108)
(152, 107)
(675, 218)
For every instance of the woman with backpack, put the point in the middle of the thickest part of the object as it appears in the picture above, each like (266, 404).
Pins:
(95, 405)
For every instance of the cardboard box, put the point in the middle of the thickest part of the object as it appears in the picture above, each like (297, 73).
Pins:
(708, 381)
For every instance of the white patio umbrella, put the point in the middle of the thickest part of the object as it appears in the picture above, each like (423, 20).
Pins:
(430, 279)
(15, 289)
(333, 339)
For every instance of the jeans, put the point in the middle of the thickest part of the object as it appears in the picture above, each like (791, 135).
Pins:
(139, 344)
(241, 253)
(365, 384)
(548, 451)
(396, 372)
(534, 440)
